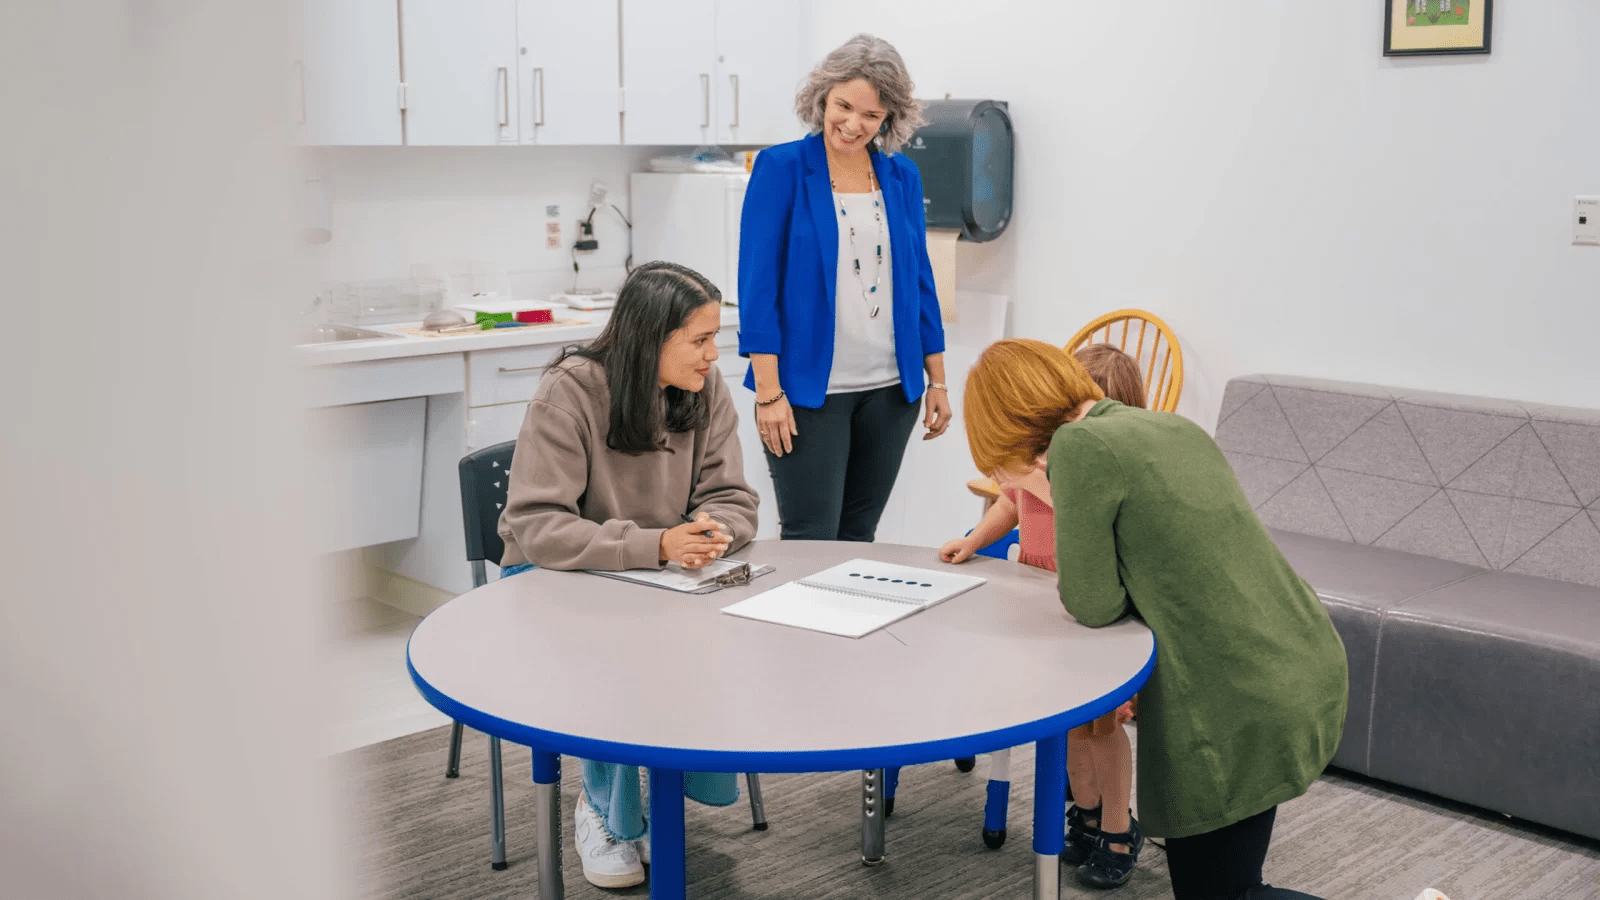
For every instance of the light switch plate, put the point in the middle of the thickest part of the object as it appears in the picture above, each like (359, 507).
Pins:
(1586, 219)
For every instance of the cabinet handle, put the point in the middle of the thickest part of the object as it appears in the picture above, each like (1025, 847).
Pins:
(705, 88)
(300, 65)
(538, 74)
(735, 79)
(503, 83)
(515, 369)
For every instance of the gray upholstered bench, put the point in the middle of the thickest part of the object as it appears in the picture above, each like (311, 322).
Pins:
(1456, 543)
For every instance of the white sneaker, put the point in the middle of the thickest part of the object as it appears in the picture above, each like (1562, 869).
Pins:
(1431, 894)
(642, 845)
(607, 862)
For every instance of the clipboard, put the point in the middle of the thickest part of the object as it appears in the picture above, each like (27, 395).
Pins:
(714, 576)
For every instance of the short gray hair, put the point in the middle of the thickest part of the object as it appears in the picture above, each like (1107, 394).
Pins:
(876, 61)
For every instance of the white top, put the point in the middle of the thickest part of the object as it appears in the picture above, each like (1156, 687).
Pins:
(863, 344)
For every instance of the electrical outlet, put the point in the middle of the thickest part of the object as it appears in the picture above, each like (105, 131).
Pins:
(1586, 219)
(597, 193)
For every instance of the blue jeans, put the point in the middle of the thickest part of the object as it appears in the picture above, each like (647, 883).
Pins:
(613, 789)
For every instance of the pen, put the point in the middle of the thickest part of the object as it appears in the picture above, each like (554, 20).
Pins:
(710, 532)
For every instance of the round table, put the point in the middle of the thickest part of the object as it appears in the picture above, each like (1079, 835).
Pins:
(687, 688)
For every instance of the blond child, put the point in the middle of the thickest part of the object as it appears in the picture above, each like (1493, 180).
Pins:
(1099, 756)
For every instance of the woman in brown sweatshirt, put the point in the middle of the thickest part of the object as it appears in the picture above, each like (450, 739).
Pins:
(629, 458)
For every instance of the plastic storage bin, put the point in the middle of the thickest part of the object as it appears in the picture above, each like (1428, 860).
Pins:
(382, 301)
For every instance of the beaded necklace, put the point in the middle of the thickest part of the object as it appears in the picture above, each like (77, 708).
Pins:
(877, 215)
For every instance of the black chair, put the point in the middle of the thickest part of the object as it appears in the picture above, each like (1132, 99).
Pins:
(483, 494)
(484, 474)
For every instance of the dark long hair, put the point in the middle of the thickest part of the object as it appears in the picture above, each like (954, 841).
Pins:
(656, 299)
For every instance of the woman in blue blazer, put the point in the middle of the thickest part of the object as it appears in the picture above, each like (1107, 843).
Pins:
(837, 311)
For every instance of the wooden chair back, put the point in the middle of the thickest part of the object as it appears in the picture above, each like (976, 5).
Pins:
(1150, 342)
(1152, 345)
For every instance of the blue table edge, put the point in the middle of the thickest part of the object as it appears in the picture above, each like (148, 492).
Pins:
(837, 760)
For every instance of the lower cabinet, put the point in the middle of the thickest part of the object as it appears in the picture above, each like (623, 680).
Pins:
(490, 425)
(365, 473)
(366, 430)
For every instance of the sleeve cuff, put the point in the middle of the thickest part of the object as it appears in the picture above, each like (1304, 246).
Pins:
(642, 548)
(760, 342)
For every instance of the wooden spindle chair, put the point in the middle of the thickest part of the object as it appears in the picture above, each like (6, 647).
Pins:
(1144, 337)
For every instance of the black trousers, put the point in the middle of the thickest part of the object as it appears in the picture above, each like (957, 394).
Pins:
(1226, 864)
(834, 484)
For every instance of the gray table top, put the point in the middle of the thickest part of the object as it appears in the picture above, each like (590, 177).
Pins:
(608, 670)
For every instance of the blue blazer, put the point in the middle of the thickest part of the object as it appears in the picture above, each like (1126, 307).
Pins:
(789, 263)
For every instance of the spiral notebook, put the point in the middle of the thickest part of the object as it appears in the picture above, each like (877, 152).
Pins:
(854, 598)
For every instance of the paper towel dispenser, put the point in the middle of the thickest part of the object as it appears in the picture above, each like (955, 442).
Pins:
(964, 154)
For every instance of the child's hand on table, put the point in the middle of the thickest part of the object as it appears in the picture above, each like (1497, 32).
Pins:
(958, 551)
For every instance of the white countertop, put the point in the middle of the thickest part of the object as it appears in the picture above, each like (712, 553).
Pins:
(404, 345)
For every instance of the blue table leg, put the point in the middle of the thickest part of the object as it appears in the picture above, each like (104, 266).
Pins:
(668, 875)
(547, 801)
(1049, 821)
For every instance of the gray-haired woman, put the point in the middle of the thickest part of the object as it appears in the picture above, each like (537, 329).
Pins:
(837, 311)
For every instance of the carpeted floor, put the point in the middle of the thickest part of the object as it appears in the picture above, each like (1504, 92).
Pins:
(420, 835)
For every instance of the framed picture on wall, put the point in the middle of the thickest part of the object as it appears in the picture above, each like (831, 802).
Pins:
(1421, 27)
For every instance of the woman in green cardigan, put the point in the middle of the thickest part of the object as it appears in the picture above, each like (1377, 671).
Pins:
(1247, 700)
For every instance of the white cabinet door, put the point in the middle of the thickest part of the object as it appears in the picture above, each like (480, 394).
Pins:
(345, 73)
(567, 81)
(669, 57)
(733, 207)
(760, 60)
(460, 61)
(490, 425)
(365, 473)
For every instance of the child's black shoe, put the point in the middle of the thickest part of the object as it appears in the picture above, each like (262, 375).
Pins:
(1107, 868)
(1081, 836)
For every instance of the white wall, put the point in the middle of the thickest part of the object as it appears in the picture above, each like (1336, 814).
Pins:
(1284, 196)
(392, 207)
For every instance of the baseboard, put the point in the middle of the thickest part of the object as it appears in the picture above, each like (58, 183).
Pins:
(403, 593)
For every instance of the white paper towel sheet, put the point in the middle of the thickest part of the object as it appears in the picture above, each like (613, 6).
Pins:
(942, 255)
